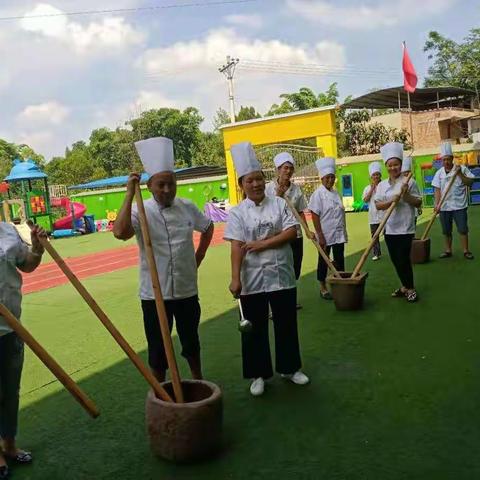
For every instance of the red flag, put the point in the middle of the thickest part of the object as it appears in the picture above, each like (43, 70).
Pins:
(409, 75)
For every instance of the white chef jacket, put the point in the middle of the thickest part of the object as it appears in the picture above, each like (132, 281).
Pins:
(272, 269)
(402, 219)
(13, 253)
(328, 205)
(457, 197)
(171, 231)
(294, 194)
(374, 215)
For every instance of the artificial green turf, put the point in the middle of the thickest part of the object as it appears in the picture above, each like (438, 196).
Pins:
(85, 244)
(394, 394)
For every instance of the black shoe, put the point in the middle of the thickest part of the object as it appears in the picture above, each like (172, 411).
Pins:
(4, 472)
(445, 255)
(468, 255)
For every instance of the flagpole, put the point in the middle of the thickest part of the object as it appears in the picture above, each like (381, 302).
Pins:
(410, 120)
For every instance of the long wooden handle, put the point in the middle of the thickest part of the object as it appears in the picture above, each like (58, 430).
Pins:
(157, 291)
(442, 200)
(308, 233)
(49, 362)
(101, 315)
(379, 231)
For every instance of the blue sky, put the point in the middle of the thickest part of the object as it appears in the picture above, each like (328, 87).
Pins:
(64, 75)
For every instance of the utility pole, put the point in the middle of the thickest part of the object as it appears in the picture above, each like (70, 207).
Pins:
(229, 71)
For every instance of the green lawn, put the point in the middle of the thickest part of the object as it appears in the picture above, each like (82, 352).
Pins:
(85, 244)
(394, 394)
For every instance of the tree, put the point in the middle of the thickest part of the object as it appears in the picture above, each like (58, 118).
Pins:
(247, 113)
(182, 127)
(222, 117)
(9, 152)
(305, 99)
(210, 150)
(76, 167)
(361, 136)
(454, 64)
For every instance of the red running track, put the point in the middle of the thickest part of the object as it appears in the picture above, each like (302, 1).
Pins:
(49, 274)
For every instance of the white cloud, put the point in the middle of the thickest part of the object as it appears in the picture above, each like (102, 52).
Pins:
(110, 32)
(52, 113)
(40, 141)
(368, 16)
(207, 53)
(250, 21)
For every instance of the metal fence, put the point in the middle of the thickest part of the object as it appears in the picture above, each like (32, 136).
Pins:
(306, 174)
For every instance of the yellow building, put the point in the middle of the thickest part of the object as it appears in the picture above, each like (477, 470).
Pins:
(317, 123)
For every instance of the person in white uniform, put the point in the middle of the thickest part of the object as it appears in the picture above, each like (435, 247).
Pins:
(456, 204)
(283, 186)
(400, 227)
(172, 221)
(260, 230)
(328, 215)
(406, 169)
(15, 255)
(374, 215)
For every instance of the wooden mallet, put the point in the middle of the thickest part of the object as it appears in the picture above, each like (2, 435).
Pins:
(379, 230)
(442, 200)
(49, 362)
(310, 235)
(101, 315)
(157, 291)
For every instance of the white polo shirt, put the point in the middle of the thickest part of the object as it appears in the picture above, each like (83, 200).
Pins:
(402, 219)
(272, 269)
(13, 252)
(457, 197)
(328, 205)
(374, 215)
(294, 194)
(171, 231)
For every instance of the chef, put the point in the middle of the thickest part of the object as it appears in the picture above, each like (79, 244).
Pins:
(260, 230)
(374, 215)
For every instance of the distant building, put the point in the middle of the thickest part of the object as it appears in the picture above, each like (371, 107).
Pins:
(438, 114)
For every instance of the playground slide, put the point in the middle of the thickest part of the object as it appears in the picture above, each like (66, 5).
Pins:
(79, 210)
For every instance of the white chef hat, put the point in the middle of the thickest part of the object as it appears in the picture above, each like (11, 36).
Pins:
(392, 150)
(407, 164)
(244, 159)
(282, 158)
(156, 155)
(446, 150)
(374, 167)
(325, 166)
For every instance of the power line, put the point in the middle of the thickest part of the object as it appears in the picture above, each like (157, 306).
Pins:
(129, 10)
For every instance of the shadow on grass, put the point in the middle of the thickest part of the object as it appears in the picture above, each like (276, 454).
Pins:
(394, 395)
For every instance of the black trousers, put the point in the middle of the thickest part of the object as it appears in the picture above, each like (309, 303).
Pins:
(297, 250)
(376, 246)
(257, 361)
(338, 260)
(399, 248)
(11, 364)
(187, 318)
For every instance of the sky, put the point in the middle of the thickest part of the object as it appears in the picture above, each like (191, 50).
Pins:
(64, 74)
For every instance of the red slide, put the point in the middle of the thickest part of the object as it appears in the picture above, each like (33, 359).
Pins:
(79, 210)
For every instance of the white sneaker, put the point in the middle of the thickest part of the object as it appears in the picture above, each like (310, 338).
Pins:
(298, 378)
(375, 258)
(257, 387)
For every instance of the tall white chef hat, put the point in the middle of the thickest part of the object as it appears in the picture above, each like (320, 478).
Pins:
(446, 150)
(244, 159)
(156, 155)
(374, 167)
(325, 166)
(282, 158)
(392, 150)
